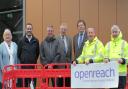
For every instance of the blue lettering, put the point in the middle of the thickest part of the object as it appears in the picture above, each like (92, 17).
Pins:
(112, 72)
(81, 74)
(76, 74)
(102, 73)
(107, 73)
(91, 73)
(86, 74)
(98, 73)
(95, 73)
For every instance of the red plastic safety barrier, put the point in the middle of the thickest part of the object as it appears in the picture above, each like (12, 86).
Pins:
(47, 77)
(57, 73)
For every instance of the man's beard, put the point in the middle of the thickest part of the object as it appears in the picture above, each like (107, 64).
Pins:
(29, 34)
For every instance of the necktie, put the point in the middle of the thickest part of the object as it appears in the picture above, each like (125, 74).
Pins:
(65, 51)
(80, 40)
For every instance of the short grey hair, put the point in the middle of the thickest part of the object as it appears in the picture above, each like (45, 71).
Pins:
(115, 27)
(7, 30)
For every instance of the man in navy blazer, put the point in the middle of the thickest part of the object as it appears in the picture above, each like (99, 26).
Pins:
(79, 38)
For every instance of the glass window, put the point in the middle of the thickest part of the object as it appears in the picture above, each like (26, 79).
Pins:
(11, 16)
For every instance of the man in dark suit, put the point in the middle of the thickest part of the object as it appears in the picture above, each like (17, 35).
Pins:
(79, 38)
(65, 50)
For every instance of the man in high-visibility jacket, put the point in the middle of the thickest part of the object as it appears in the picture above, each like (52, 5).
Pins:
(93, 50)
(117, 50)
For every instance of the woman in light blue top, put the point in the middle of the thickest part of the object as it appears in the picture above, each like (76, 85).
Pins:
(8, 52)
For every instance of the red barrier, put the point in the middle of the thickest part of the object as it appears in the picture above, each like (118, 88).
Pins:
(43, 74)
(56, 72)
(46, 76)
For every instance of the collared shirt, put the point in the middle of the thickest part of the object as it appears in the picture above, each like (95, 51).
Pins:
(29, 38)
(65, 43)
(80, 40)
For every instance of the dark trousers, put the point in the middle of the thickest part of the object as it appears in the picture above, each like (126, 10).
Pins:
(53, 82)
(68, 82)
(60, 82)
(122, 82)
(0, 85)
(27, 82)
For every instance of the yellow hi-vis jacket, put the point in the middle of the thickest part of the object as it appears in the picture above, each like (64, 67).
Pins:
(115, 49)
(93, 50)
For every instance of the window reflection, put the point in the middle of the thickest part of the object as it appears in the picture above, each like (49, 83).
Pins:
(11, 16)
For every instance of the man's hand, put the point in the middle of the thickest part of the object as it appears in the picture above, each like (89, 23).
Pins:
(106, 60)
(120, 61)
(74, 63)
(50, 67)
(87, 62)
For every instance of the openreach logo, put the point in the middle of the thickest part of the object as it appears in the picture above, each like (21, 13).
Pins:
(100, 74)
(96, 75)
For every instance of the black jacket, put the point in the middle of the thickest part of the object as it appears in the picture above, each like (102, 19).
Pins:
(28, 52)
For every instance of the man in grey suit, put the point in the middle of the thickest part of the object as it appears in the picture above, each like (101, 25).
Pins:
(8, 53)
(65, 51)
(79, 38)
(65, 45)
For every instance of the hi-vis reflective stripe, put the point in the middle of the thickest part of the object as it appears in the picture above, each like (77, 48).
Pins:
(115, 59)
(95, 48)
(90, 56)
(123, 74)
(121, 50)
(108, 50)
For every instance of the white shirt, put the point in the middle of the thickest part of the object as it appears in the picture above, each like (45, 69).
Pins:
(65, 42)
(29, 38)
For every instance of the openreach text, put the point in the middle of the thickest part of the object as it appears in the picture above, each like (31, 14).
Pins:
(95, 74)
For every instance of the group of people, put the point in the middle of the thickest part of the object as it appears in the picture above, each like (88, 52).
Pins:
(25, 52)
(115, 50)
(58, 49)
